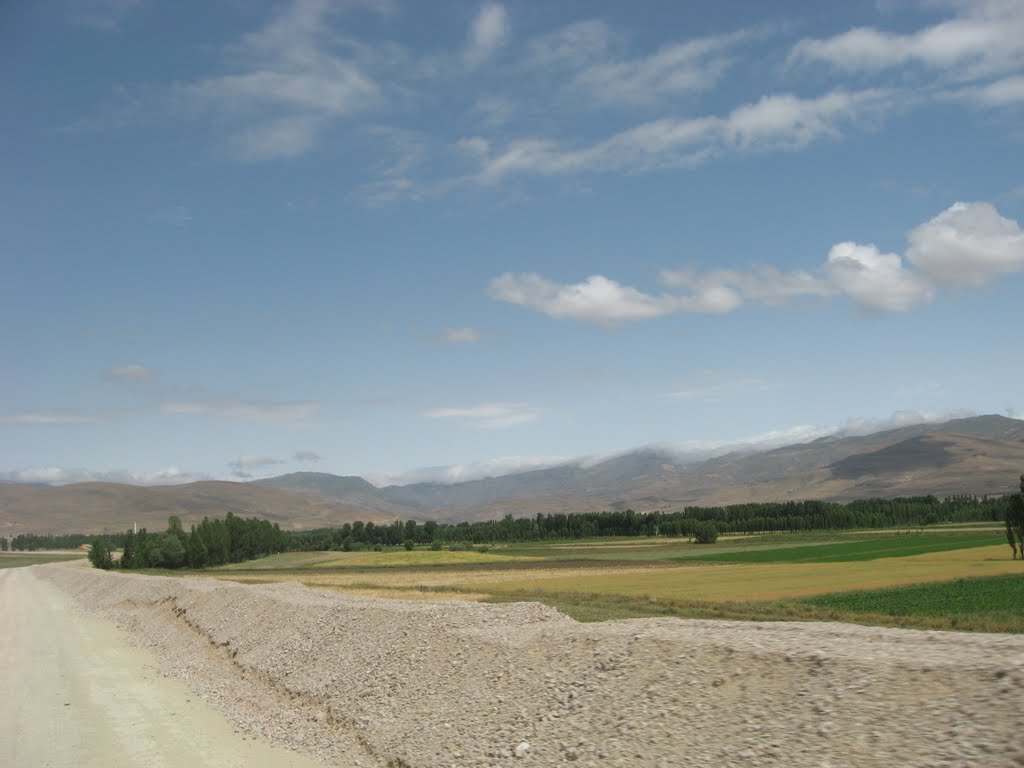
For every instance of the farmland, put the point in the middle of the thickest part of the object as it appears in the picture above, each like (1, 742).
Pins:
(768, 577)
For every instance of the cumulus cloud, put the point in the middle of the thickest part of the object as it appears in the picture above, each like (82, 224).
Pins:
(131, 372)
(461, 335)
(596, 300)
(875, 280)
(968, 244)
(245, 410)
(487, 415)
(307, 456)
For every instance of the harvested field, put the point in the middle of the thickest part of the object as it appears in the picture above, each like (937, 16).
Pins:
(370, 682)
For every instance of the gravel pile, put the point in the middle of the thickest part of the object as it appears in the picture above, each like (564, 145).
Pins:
(370, 682)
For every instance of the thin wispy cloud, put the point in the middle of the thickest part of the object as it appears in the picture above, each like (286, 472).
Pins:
(487, 33)
(966, 245)
(245, 410)
(307, 456)
(48, 418)
(497, 415)
(982, 39)
(776, 122)
(285, 84)
(461, 335)
(104, 15)
(132, 372)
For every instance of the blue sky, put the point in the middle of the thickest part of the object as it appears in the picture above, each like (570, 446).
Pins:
(408, 240)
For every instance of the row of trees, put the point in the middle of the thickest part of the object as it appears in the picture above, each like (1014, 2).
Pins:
(695, 522)
(212, 542)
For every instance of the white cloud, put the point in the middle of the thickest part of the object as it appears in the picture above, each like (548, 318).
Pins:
(1001, 93)
(596, 300)
(290, 82)
(461, 335)
(132, 372)
(487, 33)
(279, 138)
(308, 456)
(53, 475)
(245, 410)
(487, 415)
(983, 38)
(779, 121)
(875, 280)
(967, 244)
(695, 65)
(48, 418)
(461, 473)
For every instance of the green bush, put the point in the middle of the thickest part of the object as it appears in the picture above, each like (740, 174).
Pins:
(435, 546)
(705, 533)
(378, 548)
(409, 544)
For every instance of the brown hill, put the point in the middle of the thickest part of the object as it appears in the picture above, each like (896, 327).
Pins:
(109, 507)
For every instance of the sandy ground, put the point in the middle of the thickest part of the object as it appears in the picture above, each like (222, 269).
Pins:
(75, 693)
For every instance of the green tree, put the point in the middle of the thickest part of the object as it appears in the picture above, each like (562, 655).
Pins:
(705, 533)
(100, 556)
(1015, 522)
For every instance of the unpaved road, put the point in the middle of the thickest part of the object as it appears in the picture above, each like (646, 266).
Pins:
(76, 694)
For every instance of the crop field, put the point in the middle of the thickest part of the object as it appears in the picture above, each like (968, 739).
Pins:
(21, 559)
(864, 577)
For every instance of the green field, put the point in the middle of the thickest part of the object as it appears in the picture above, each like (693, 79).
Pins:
(964, 598)
(19, 560)
(853, 551)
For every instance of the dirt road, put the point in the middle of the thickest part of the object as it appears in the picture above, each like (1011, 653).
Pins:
(76, 694)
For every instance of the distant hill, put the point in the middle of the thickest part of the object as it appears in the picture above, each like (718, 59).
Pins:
(980, 455)
(98, 507)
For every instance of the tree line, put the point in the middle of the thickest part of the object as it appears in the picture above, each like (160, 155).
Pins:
(694, 521)
(212, 542)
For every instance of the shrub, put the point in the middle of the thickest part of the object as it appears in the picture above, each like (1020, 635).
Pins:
(435, 546)
(483, 548)
(705, 533)
(408, 544)
(378, 548)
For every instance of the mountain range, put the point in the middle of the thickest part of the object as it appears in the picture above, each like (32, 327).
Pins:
(978, 455)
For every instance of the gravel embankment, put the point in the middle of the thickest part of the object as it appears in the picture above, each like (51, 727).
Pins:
(371, 682)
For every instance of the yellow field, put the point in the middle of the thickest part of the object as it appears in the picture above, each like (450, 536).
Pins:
(697, 581)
